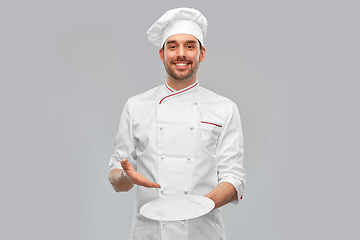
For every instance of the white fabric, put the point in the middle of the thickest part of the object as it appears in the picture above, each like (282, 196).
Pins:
(182, 27)
(187, 141)
(169, 24)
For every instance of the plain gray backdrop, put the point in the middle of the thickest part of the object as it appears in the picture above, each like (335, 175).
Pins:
(67, 68)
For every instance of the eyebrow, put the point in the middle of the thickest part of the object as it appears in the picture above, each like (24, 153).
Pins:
(188, 41)
(168, 42)
(192, 41)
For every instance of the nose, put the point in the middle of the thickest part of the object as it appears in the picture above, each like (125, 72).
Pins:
(181, 52)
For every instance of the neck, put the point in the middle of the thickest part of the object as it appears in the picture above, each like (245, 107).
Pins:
(180, 84)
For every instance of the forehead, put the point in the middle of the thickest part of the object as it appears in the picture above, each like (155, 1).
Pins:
(181, 38)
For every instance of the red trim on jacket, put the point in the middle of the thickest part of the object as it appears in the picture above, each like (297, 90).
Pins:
(168, 87)
(178, 92)
(211, 123)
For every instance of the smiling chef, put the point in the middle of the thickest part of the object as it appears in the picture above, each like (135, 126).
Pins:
(179, 138)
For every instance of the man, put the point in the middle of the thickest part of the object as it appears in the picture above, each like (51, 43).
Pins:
(179, 138)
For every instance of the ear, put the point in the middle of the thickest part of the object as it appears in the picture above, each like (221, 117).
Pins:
(161, 54)
(202, 54)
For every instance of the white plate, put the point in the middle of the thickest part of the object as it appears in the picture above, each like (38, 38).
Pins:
(175, 208)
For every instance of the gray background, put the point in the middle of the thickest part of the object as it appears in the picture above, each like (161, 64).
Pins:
(67, 68)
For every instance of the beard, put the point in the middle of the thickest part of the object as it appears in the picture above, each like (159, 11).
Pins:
(182, 74)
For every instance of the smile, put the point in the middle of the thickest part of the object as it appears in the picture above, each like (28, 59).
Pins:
(181, 64)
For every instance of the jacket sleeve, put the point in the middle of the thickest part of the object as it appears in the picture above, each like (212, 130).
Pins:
(230, 153)
(123, 142)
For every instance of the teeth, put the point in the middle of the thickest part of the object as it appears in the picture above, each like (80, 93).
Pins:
(181, 64)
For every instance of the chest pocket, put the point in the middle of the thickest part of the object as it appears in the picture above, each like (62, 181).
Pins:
(210, 132)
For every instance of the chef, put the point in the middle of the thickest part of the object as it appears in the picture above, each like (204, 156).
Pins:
(179, 138)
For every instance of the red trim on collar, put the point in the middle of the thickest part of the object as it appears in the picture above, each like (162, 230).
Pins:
(211, 123)
(168, 87)
(178, 92)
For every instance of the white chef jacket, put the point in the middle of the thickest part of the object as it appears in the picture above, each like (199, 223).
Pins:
(188, 141)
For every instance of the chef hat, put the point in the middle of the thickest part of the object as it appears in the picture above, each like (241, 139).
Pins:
(178, 21)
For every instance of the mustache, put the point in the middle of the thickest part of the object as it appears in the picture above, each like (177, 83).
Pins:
(182, 59)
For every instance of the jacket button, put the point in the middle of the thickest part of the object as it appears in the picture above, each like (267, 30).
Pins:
(161, 128)
(191, 128)
(183, 222)
(162, 157)
(188, 158)
(162, 190)
(185, 191)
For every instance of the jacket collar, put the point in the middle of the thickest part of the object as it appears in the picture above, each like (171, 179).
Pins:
(172, 92)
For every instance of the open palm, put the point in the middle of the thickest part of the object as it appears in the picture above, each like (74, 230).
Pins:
(136, 177)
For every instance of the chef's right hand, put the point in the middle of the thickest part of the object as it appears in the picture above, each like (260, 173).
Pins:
(136, 177)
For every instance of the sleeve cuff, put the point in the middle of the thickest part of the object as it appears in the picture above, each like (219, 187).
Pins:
(114, 163)
(238, 186)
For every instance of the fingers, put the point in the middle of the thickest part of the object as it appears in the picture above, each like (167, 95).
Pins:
(124, 163)
(143, 181)
(136, 177)
(152, 185)
(140, 180)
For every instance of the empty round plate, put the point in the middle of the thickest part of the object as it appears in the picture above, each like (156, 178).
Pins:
(176, 208)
